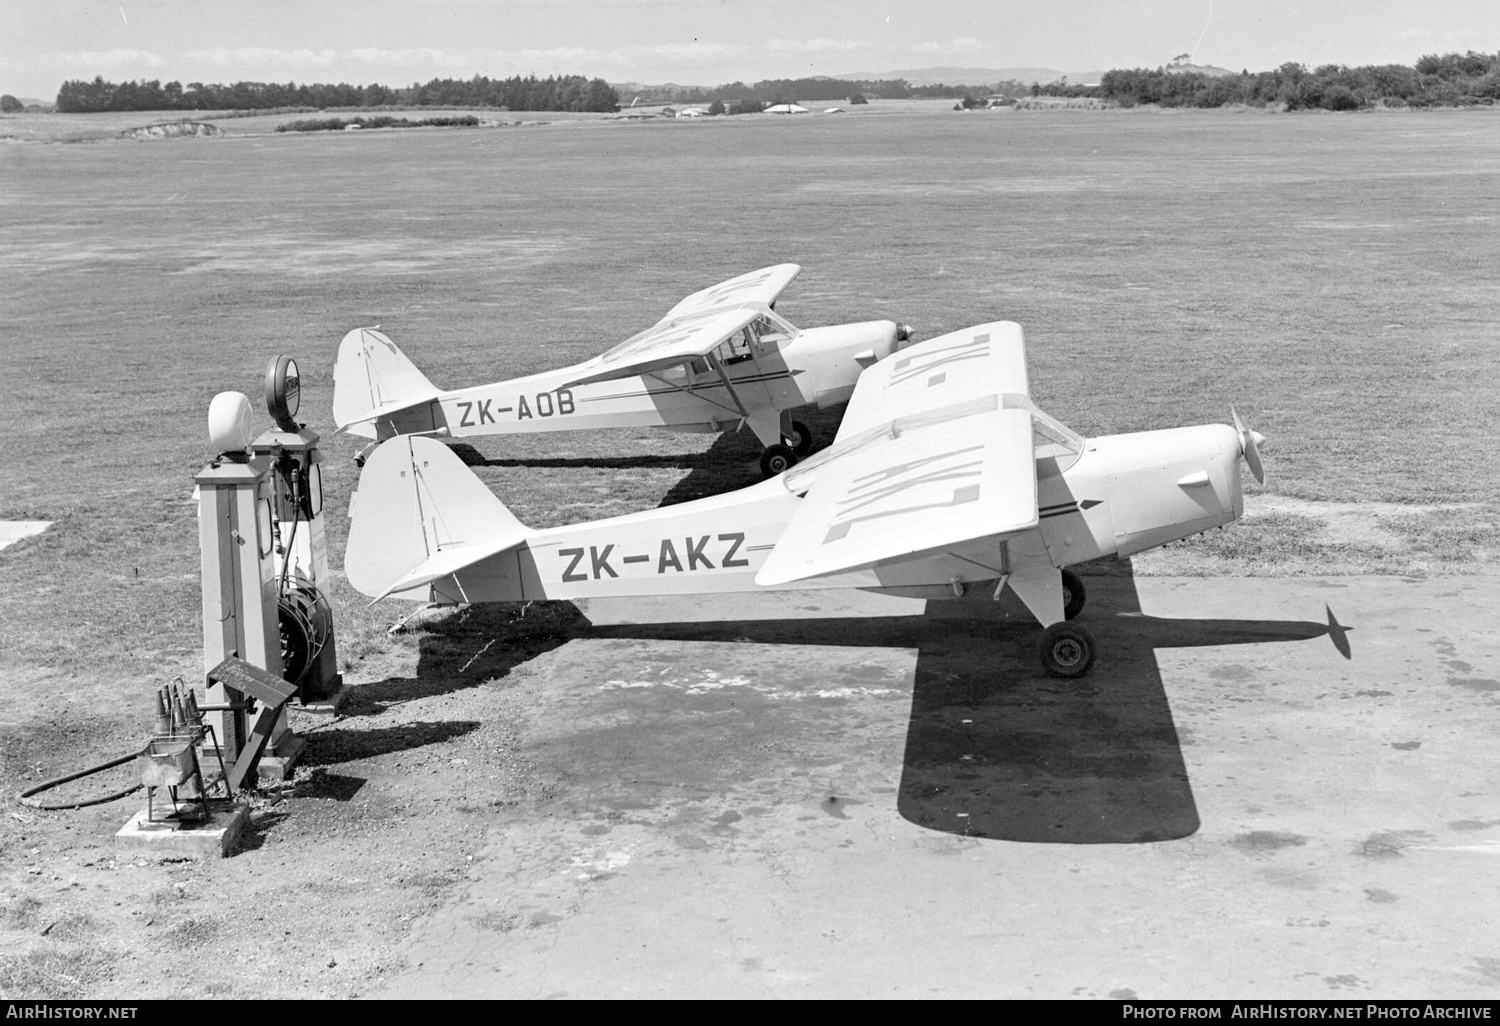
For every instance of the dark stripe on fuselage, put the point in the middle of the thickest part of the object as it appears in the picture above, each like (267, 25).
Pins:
(669, 390)
(1062, 509)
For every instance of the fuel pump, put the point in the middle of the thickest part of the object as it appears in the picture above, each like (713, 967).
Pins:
(304, 617)
(265, 565)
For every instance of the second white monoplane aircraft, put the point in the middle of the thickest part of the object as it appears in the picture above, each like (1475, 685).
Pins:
(945, 479)
(719, 360)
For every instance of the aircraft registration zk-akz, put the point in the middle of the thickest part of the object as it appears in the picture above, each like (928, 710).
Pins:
(719, 360)
(944, 479)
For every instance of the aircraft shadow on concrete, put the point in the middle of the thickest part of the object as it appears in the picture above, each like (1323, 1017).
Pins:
(460, 648)
(996, 749)
(467, 646)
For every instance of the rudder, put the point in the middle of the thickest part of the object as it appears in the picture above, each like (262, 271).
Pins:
(373, 378)
(420, 514)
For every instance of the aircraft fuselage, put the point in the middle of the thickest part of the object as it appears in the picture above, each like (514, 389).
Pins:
(815, 366)
(1121, 495)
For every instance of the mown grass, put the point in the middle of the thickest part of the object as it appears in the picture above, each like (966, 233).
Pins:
(1280, 543)
(1450, 536)
(53, 972)
(1330, 276)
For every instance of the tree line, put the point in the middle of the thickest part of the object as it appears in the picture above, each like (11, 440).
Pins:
(568, 92)
(565, 92)
(1447, 80)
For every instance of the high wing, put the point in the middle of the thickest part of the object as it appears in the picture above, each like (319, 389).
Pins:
(667, 344)
(694, 327)
(989, 359)
(941, 453)
(762, 286)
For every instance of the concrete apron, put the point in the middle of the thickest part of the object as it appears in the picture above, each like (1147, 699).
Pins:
(832, 794)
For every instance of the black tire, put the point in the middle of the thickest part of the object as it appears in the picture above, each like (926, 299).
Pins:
(1066, 650)
(800, 439)
(776, 459)
(1074, 595)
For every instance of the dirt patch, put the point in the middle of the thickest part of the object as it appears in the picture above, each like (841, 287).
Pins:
(388, 811)
(174, 130)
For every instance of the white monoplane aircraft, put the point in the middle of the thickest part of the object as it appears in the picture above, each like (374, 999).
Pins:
(944, 479)
(719, 360)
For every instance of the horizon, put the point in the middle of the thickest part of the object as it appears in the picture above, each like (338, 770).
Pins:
(702, 43)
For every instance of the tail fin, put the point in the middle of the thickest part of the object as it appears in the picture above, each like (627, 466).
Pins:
(420, 515)
(373, 378)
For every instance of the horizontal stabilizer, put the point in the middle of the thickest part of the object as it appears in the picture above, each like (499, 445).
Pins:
(419, 515)
(373, 379)
(451, 560)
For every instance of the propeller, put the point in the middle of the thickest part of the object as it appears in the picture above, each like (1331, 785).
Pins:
(1250, 446)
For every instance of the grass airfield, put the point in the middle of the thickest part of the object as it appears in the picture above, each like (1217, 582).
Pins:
(1331, 276)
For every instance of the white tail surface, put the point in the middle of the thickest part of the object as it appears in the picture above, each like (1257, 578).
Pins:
(373, 378)
(419, 515)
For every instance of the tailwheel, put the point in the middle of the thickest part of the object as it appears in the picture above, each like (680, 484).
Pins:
(1067, 649)
(1074, 595)
(800, 439)
(776, 459)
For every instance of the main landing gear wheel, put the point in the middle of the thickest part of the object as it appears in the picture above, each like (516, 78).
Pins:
(1073, 594)
(800, 439)
(776, 459)
(1067, 649)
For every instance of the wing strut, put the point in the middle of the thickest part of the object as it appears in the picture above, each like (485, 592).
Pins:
(713, 362)
(693, 391)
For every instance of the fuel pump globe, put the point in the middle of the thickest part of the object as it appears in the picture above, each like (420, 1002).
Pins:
(229, 424)
(283, 391)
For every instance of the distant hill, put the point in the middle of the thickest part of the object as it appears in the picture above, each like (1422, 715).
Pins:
(916, 76)
(1202, 69)
(944, 75)
(629, 89)
(977, 76)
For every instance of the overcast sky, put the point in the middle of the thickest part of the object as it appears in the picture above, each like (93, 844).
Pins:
(701, 42)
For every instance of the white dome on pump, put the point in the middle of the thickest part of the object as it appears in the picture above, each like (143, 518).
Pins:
(229, 423)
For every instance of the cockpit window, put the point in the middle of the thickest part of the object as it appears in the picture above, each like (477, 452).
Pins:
(1057, 446)
(1056, 450)
(735, 348)
(771, 329)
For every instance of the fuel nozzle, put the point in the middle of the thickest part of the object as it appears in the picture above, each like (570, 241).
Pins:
(163, 719)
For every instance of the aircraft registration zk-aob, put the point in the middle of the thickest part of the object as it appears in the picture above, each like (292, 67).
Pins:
(945, 479)
(719, 360)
